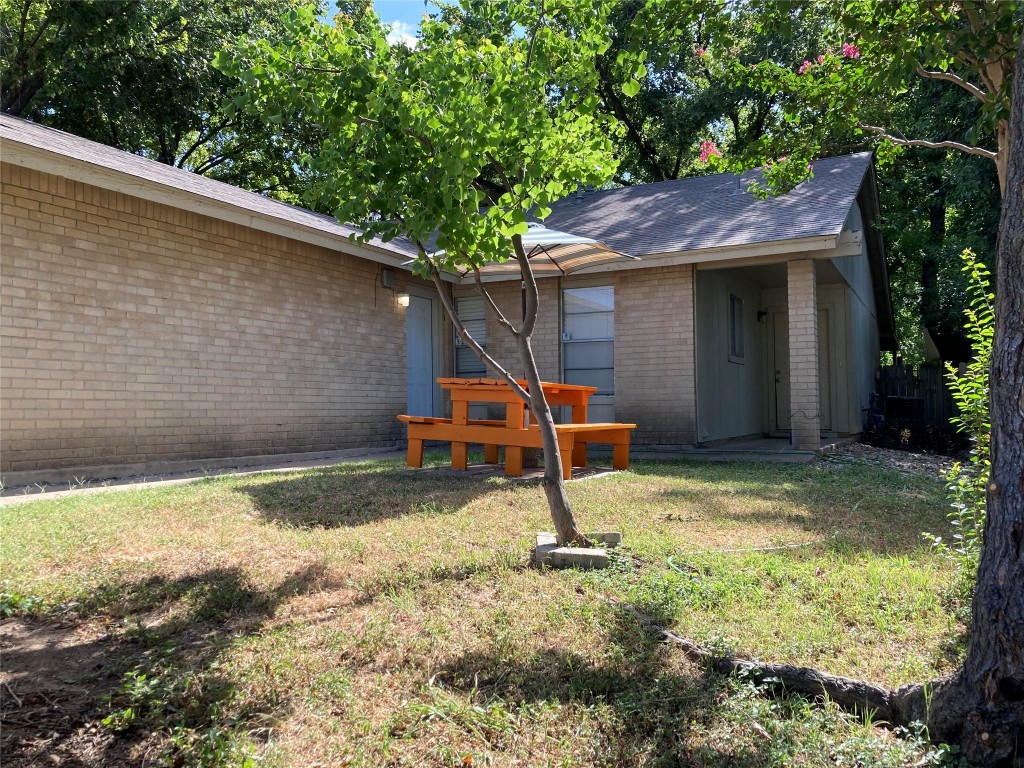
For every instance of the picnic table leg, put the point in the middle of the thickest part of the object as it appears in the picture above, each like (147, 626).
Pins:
(566, 447)
(513, 461)
(579, 451)
(490, 454)
(514, 415)
(579, 454)
(414, 453)
(459, 455)
(620, 456)
(460, 412)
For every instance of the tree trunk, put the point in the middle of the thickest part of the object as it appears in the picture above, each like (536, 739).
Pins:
(982, 706)
(1003, 151)
(562, 516)
(554, 485)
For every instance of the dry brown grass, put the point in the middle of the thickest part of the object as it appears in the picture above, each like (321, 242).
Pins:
(370, 615)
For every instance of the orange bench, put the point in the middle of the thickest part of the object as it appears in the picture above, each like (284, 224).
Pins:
(572, 441)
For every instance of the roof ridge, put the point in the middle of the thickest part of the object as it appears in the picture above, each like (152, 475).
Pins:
(684, 179)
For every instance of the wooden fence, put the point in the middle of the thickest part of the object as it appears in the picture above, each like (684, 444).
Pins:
(918, 394)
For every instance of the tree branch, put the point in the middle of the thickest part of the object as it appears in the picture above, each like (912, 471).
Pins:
(533, 36)
(509, 187)
(460, 329)
(965, 148)
(502, 320)
(968, 86)
(529, 285)
(202, 139)
(648, 153)
(311, 68)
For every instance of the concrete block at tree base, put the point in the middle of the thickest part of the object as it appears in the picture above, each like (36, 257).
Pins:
(608, 538)
(549, 554)
(578, 557)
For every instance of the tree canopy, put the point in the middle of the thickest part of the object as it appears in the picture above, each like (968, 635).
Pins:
(781, 84)
(491, 117)
(137, 76)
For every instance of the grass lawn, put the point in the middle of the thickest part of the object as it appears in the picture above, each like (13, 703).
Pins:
(367, 614)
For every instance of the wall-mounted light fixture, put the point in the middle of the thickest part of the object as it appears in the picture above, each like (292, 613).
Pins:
(402, 299)
(387, 278)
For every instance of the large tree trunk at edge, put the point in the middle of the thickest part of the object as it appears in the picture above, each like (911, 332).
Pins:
(981, 707)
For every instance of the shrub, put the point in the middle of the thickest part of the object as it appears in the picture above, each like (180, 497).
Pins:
(966, 483)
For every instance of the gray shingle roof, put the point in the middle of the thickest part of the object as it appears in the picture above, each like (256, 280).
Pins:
(77, 148)
(706, 212)
(684, 215)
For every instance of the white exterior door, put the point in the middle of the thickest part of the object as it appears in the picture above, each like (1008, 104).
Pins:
(419, 356)
(778, 372)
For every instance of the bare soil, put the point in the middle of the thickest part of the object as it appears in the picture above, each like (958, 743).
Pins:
(52, 684)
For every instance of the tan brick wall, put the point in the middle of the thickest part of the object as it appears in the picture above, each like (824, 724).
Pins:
(803, 354)
(655, 386)
(132, 331)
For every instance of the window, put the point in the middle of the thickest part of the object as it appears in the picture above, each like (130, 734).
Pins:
(470, 311)
(588, 338)
(735, 329)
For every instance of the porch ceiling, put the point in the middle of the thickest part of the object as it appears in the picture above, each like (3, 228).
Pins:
(774, 275)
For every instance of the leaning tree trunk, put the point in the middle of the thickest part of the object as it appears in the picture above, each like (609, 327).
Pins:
(562, 516)
(982, 706)
(554, 485)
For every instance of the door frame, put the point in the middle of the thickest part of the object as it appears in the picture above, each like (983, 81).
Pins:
(437, 350)
(769, 368)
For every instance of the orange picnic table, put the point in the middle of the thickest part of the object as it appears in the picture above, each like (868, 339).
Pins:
(514, 433)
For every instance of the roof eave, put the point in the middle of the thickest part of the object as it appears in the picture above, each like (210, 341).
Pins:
(46, 161)
(867, 198)
(829, 246)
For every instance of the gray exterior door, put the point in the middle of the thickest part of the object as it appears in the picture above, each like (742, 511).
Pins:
(419, 356)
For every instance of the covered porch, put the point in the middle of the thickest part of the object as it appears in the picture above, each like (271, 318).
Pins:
(774, 357)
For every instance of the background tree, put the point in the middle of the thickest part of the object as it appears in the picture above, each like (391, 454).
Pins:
(750, 81)
(137, 75)
(688, 95)
(410, 134)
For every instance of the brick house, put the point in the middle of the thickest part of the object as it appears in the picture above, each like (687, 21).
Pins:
(150, 315)
(743, 317)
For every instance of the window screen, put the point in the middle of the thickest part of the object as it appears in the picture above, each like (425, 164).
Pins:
(588, 342)
(471, 313)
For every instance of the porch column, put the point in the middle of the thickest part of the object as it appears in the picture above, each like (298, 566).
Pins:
(804, 405)
(687, 341)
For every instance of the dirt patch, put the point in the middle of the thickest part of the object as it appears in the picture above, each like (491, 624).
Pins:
(52, 685)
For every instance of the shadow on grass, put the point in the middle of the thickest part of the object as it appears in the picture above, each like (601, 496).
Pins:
(392, 582)
(858, 507)
(656, 709)
(353, 495)
(106, 701)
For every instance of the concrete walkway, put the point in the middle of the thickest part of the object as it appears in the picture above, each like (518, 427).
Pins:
(185, 472)
(28, 486)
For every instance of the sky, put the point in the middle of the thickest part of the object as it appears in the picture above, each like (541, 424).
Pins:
(403, 15)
